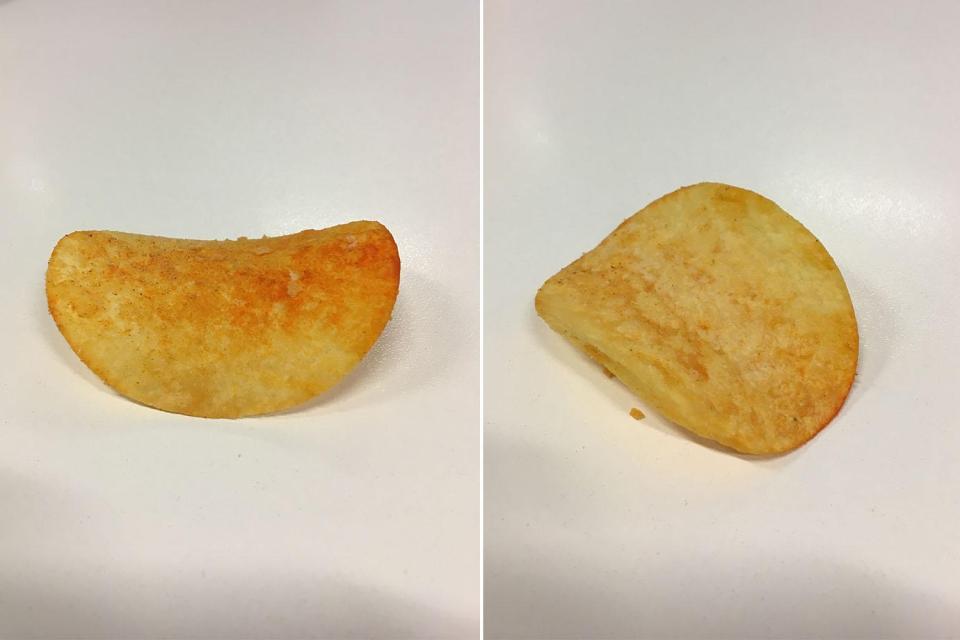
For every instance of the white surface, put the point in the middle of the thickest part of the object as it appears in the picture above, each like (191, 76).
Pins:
(846, 115)
(357, 516)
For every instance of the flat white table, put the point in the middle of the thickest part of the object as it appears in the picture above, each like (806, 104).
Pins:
(358, 515)
(846, 114)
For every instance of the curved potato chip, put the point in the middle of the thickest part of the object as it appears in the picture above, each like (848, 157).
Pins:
(722, 311)
(223, 329)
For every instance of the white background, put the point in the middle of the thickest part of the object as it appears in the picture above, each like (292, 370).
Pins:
(846, 114)
(356, 516)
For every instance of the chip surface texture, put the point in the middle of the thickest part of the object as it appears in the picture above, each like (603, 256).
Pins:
(721, 311)
(223, 329)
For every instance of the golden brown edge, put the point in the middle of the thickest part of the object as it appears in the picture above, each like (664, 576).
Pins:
(55, 314)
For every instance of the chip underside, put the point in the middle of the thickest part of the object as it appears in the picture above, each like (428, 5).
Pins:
(721, 311)
(223, 328)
